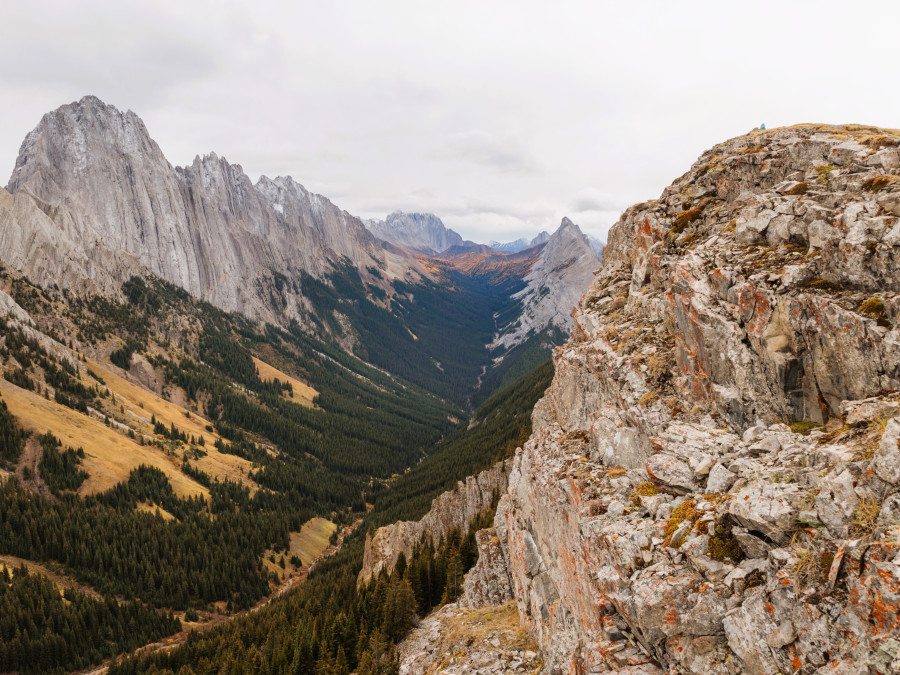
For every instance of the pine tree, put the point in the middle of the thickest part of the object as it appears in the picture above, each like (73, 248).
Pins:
(453, 589)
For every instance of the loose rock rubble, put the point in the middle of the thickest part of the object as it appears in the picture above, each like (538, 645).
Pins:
(457, 641)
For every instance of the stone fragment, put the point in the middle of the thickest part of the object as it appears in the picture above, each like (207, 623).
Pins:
(887, 458)
(757, 629)
(652, 504)
(767, 508)
(713, 570)
(765, 445)
(670, 472)
(753, 434)
(737, 577)
(666, 603)
(751, 545)
(696, 546)
(750, 228)
(720, 479)
(867, 410)
(534, 563)
(837, 503)
(680, 533)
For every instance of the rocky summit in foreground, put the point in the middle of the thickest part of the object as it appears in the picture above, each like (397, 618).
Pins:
(711, 485)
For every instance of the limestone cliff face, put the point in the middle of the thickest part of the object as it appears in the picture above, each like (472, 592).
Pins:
(113, 206)
(663, 517)
(453, 509)
(553, 286)
(423, 232)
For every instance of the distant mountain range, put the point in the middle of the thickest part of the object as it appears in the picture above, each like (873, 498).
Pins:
(426, 233)
(519, 244)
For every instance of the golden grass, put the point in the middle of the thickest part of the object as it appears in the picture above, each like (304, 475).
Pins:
(303, 393)
(61, 581)
(308, 544)
(473, 626)
(866, 517)
(223, 465)
(110, 455)
(878, 183)
(146, 507)
(312, 539)
(145, 404)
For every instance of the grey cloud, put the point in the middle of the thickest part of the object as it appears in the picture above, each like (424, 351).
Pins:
(82, 52)
(482, 148)
(592, 199)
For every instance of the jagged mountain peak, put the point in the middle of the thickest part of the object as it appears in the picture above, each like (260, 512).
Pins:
(70, 141)
(423, 232)
(555, 283)
(540, 238)
(100, 177)
(566, 230)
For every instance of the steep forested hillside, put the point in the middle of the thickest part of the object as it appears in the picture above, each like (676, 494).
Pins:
(328, 625)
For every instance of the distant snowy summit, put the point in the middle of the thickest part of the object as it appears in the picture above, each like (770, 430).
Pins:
(519, 244)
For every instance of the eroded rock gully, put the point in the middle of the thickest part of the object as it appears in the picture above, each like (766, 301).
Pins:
(712, 481)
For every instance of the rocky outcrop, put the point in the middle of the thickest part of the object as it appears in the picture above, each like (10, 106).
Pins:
(488, 582)
(663, 517)
(94, 201)
(553, 285)
(423, 232)
(453, 509)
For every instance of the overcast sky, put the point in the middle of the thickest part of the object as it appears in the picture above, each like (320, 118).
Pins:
(500, 117)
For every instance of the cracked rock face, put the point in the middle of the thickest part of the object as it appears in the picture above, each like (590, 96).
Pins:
(713, 479)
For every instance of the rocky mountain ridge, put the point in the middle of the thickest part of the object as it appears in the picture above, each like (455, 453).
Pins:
(93, 195)
(422, 232)
(93, 202)
(712, 481)
(553, 285)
